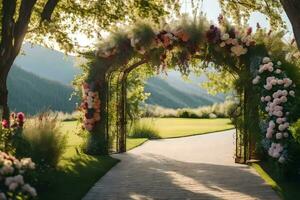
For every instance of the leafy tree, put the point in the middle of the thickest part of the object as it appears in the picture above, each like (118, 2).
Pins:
(241, 10)
(54, 23)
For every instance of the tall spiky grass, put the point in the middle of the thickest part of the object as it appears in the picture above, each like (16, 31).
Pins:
(144, 130)
(46, 141)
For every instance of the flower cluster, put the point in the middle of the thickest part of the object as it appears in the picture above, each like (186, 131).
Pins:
(277, 91)
(231, 39)
(12, 181)
(90, 106)
(16, 119)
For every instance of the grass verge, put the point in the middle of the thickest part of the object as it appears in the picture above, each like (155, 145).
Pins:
(286, 189)
(182, 127)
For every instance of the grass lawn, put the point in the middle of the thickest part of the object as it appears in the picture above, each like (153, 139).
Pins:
(287, 189)
(77, 172)
(179, 127)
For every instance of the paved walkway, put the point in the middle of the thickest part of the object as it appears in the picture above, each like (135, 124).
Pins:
(197, 167)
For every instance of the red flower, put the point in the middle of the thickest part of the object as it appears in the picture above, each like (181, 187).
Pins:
(5, 123)
(213, 34)
(21, 117)
(249, 31)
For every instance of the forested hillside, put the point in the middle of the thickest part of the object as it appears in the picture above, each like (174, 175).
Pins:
(171, 91)
(31, 94)
(166, 95)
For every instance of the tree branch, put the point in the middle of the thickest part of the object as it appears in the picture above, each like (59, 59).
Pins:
(48, 10)
(22, 23)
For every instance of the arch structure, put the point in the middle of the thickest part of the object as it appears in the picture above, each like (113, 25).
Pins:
(266, 93)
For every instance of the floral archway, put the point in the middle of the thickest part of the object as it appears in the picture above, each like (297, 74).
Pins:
(266, 93)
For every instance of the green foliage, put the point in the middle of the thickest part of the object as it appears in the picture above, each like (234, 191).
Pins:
(83, 17)
(143, 130)
(295, 129)
(217, 110)
(240, 10)
(46, 141)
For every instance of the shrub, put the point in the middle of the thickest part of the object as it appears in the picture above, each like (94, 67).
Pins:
(220, 110)
(45, 140)
(14, 173)
(187, 114)
(295, 129)
(143, 130)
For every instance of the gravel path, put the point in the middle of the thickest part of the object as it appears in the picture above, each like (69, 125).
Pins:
(196, 167)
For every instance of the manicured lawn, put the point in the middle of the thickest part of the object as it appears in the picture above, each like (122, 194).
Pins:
(179, 127)
(287, 189)
(134, 142)
(77, 171)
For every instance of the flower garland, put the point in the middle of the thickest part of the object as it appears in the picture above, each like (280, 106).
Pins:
(90, 106)
(277, 91)
(11, 177)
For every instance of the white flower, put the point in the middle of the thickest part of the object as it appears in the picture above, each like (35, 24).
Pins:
(268, 87)
(279, 63)
(286, 134)
(281, 127)
(222, 44)
(281, 159)
(225, 36)
(283, 99)
(266, 60)
(277, 71)
(278, 136)
(292, 93)
(280, 82)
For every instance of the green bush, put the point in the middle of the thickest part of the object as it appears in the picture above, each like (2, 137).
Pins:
(218, 110)
(143, 130)
(187, 114)
(46, 142)
(295, 129)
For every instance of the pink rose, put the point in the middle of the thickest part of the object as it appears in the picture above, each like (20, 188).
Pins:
(5, 123)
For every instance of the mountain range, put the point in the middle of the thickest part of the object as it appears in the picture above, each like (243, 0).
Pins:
(41, 79)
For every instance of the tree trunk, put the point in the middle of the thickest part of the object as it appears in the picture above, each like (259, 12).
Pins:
(4, 97)
(292, 8)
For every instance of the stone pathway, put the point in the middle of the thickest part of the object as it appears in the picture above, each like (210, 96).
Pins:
(197, 167)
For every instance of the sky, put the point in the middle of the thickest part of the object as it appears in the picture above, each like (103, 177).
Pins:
(211, 8)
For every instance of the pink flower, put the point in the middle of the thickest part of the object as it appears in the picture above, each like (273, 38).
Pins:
(268, 87)
(269, 135)
(5, 123)
(267, 98)
(21, 117)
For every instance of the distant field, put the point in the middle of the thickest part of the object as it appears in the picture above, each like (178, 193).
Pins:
(179, 127)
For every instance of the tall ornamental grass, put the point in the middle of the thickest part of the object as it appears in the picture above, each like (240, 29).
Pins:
(144, 130)
(45, 140)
